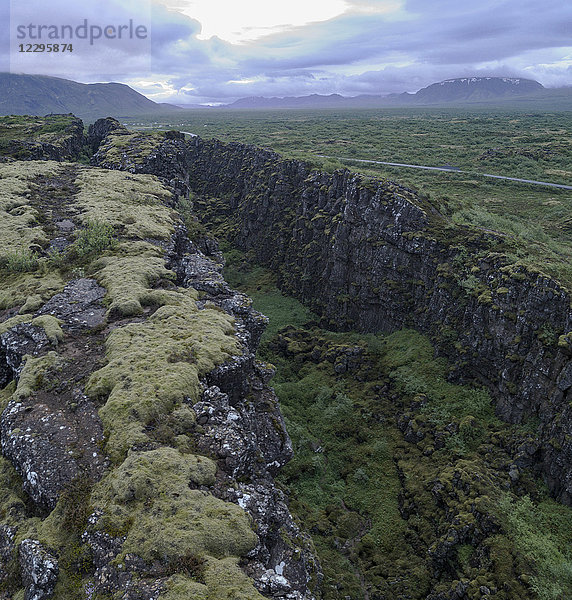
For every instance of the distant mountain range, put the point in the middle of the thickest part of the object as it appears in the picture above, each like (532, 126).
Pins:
(466, 90)
(475, 89)
(330, 101)
(41, 95)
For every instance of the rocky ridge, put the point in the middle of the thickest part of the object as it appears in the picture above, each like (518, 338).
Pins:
(140, 437)
(54, 137)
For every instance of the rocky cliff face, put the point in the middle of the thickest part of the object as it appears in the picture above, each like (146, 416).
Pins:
(140, 437)
(375, 257)
(54, 137)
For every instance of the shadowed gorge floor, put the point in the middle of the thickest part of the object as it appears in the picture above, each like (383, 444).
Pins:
(405, 481)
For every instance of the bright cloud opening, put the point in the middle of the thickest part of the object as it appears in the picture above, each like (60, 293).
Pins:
(248, 20)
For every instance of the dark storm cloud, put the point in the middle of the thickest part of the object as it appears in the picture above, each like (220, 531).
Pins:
(437, 34)
(378, 53)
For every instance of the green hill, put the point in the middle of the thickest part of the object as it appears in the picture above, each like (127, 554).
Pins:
(40, 95)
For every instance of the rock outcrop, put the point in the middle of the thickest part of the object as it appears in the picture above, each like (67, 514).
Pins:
(376, 257)
(54, 137)
(39, 570)
(163, 154)
(139, 434)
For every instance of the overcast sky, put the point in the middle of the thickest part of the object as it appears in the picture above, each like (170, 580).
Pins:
(219, 50)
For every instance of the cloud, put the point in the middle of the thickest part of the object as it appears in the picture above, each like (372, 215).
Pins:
(374, 47)
(110, 38)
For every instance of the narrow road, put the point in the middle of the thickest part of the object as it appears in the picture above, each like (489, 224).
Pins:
(450, 170)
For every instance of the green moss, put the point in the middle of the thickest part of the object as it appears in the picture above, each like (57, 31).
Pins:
(485, 298)
(17, 288)
(12, 501)
(32, 304)
(49, 323)
(51, 326)
(129, 275)
(51, 129)
(9, 323)
(226, 581)
(33, 373)
(130, 148)
(180, 587)
(152, 366)
(60, 532)
(133, 203)
(565, 341)
(18, 218)
(6, 394)
(153, 369)
(148, 498)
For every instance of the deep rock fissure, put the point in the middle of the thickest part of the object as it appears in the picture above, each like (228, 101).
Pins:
(371, 257)
(374, 256)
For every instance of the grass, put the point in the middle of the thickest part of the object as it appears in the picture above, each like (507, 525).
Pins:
(21, 261)
(260, 283)
(503, 142)
(94, 239)
(542, 532)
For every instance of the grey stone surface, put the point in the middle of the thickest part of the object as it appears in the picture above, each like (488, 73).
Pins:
(79, 306)
(39, 570)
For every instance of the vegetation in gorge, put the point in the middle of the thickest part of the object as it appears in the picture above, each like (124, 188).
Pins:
(370, 498)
